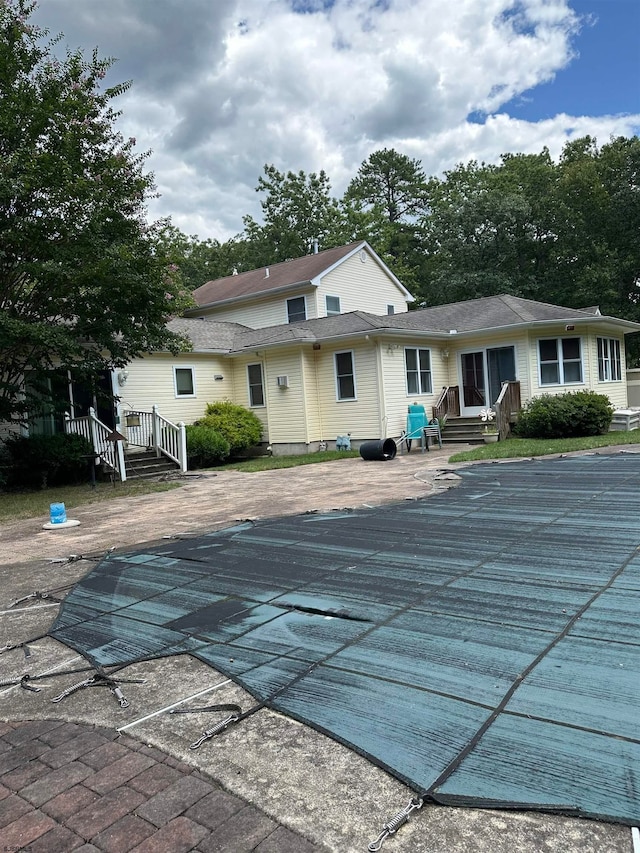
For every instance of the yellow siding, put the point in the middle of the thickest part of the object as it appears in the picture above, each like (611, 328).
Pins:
(312, 406)
(396, 397)
(616, 391)
(261, 312)
(287, 416)
(360, 417)
(240, 390)
(361, 287)
(151, 382)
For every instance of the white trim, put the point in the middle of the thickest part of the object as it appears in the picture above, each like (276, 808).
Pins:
(192, 368)
(420, 392)
(326, 305)
(262, 386)
(340, 399)
(560, 362)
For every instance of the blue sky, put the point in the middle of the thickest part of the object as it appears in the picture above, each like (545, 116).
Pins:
(222, 88)
(604, 78)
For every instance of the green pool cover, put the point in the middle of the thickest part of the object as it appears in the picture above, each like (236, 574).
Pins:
(482, 645)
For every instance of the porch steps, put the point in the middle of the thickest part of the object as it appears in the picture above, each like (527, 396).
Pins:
(463, 431)
(145, 465)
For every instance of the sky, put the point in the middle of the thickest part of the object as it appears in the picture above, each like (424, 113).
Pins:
(223, 87)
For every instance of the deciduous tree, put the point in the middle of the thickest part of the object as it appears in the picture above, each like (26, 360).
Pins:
(83, 285)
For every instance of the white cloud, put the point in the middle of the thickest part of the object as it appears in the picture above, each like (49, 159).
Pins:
(222, 88)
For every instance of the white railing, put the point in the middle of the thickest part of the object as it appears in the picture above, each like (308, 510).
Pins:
(155, 432)
(107, 447)
(144, 429)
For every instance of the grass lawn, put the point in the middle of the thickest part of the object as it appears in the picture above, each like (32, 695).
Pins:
(17, 505)
(514, 448)
(268, 463)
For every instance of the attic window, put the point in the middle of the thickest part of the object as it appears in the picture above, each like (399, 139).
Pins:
(296, 309)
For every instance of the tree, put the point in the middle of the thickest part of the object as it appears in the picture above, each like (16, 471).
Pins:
(83, 284)
(391, 189)
(562, 232)
(199, 261)
(298, 209)
(392, 183)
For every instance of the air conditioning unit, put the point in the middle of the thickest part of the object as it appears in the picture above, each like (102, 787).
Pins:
(283, 381)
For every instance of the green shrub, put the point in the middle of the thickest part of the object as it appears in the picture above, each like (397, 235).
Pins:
(241, 428)
(569, 415)
(42, 461)
(205, 446)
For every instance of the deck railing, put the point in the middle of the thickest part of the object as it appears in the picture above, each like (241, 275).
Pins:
(448, 404)
(141, 429)
(507, 407)
(107, 447)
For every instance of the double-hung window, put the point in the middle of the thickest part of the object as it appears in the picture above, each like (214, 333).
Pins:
(560, 361)
(256, 385)
(418, 369)
(345, 376)
(184, 382)
(296, 309)
(609, 363)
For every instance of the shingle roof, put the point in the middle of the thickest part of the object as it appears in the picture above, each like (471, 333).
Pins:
(491, 312)
(282, 275)
(207, 334)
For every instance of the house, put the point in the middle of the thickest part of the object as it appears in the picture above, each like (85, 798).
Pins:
(324, 346)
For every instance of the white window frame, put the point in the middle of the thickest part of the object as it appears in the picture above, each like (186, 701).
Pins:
(338, 376)
(560, 361)
(251, 385)
(331, 312)
(300, 319)
(177, 394)
(609, 360)
(418, 371)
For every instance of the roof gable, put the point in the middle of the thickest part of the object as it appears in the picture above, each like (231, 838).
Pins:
(283, 276)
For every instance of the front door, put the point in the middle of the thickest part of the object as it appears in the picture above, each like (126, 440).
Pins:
(482, 375)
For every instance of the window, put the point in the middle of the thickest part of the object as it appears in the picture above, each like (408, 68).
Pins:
(609, 365)
(333, 305)
(560, 361)
(184, 381)
(345, 377)
(296, 309)
(418, 365)
(391, 309)
(256, 385)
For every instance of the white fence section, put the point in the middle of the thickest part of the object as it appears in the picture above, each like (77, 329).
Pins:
(142, 429)
(107, 448)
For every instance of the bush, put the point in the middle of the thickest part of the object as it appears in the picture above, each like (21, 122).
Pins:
(241, 428)
(569, 415)
(42, 461)
(205, 446)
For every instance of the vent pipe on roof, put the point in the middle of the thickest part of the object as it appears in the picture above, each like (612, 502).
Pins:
(315, 246)
(235, 271)
(266, 272)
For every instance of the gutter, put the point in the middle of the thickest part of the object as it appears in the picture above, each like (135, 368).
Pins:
(248, 297)
(438, 335)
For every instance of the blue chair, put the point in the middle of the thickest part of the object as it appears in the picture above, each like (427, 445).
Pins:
(420, 427)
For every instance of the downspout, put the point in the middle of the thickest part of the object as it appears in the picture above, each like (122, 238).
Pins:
(318, 399)
(382, 403)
